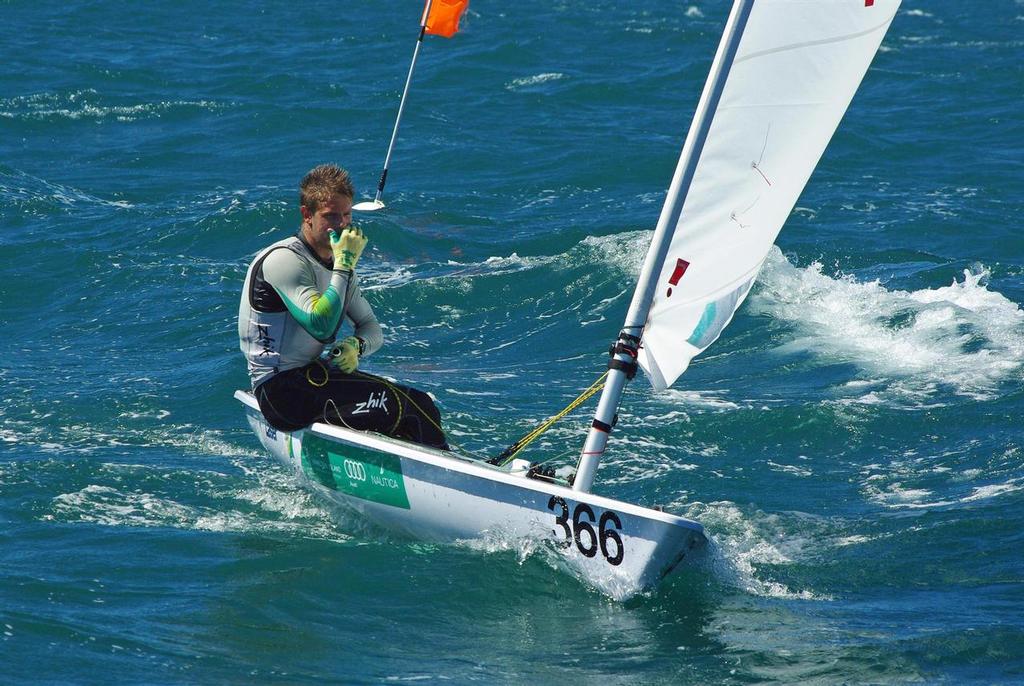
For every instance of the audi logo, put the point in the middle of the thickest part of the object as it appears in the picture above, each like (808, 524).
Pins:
(355, 470)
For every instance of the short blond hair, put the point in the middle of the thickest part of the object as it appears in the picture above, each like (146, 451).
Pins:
(322, 183)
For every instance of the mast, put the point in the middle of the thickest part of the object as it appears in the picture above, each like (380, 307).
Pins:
(401, 103)
(622, 366)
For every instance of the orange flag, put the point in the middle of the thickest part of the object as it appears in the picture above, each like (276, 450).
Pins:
(444, 16)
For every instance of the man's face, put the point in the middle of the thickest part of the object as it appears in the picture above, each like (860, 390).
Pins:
(334, 214)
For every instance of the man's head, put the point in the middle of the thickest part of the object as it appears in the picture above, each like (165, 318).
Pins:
(325, 199)
(322, 183)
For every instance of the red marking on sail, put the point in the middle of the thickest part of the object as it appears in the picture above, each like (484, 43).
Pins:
(677, 274)
(869, 3)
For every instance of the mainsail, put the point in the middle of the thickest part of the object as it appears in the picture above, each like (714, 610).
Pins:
(783, 76)
(795, 70)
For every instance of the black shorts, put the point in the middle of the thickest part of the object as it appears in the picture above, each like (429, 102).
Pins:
(321, 393)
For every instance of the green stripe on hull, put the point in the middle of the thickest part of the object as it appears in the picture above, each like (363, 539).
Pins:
(359, 472)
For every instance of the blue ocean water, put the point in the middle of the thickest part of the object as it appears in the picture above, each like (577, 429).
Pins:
(853, 443)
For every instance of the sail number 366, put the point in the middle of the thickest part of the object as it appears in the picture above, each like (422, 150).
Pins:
(580, 530)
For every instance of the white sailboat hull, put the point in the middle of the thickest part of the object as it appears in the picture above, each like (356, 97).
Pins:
(432, 495)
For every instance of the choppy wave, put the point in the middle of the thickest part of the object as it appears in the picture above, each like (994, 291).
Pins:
(28, 193)
(88, 104)
(535, 80)
(962, 338)
(742, 542)
(545, 551)
(265, 500)
(48, 434)
(910, 347)
(622, 252)
(966, 476)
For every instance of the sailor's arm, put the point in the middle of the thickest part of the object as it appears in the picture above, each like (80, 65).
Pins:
(318, 313)
(364, 323)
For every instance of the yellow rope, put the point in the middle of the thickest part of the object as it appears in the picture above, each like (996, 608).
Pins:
(327, 375)
(517, 447)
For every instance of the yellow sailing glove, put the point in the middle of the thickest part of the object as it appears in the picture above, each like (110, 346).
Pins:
(345, 355)
(347, 247)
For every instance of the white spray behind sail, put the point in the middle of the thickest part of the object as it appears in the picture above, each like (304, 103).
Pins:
(797, 66)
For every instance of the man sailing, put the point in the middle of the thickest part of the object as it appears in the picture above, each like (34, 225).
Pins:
(297, 295)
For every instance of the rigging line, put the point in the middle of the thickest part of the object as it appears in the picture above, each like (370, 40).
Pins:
(510, 453)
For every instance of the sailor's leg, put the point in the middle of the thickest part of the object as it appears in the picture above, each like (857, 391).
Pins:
(360, 401)
(286, 401)
(370, 403)
(421, 420)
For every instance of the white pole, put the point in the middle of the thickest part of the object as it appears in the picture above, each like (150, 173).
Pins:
(401, 104)
(636, 317)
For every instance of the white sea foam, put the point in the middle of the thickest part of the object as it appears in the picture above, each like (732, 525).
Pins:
(898, 496)
(963, 336)
(622, 252)
(85, 439)
(148, 414)
(542, 548)
(19, 187)
(472, 393)
(106, 505)
(82, 105)
(278, 492)
(280, 504)
(789, 469)
(535, 80)
(635, 471)
(992, 491)
(855, 539)
(741, 541)
(703, 399)
(455, 275)
(498, 376)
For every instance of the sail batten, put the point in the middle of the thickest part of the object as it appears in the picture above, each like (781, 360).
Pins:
(884, 26)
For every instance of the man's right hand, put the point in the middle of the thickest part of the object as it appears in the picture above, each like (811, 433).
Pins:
(345, 355)
(347, 247)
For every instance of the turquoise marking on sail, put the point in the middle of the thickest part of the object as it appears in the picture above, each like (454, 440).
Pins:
(704, 334)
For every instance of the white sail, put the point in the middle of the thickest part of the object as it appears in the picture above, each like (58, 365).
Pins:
(796, 69)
